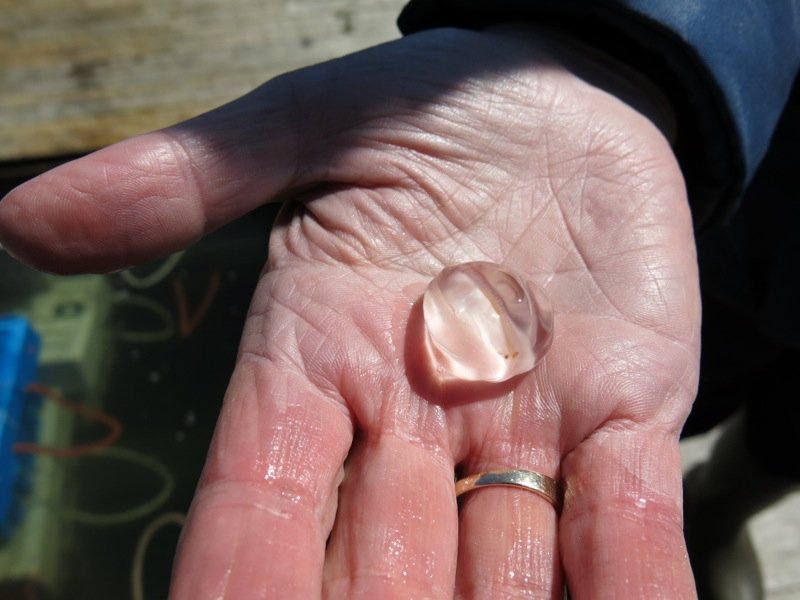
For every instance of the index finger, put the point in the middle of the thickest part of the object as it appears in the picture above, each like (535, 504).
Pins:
(267, 498)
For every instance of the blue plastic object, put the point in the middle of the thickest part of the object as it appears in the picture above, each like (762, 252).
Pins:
(19, 348)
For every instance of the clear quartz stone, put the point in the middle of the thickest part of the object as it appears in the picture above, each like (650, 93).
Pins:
(484, 324)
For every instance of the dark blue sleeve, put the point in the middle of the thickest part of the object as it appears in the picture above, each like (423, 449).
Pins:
(727, 66)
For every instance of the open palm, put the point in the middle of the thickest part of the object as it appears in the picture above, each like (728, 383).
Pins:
(331, 471)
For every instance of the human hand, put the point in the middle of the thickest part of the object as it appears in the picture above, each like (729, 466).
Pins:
(444, 147)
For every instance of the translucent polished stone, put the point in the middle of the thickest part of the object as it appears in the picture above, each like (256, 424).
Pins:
(483, 323)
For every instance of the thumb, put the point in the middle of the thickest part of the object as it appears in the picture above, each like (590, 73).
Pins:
(156, 193)
(350, 121)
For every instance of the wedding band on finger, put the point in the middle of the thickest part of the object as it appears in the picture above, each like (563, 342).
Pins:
(532, 481)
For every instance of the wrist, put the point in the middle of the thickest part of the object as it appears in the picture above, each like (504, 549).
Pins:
(602, 71)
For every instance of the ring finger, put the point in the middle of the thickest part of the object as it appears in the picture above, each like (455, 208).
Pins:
(508, 536)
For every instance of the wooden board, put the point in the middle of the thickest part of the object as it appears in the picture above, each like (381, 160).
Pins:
(76, 75)
(775, 531)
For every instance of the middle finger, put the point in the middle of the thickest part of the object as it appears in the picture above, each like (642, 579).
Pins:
(395, 532)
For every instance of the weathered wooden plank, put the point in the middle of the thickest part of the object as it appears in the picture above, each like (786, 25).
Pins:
(77, 75)
(775, 531)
